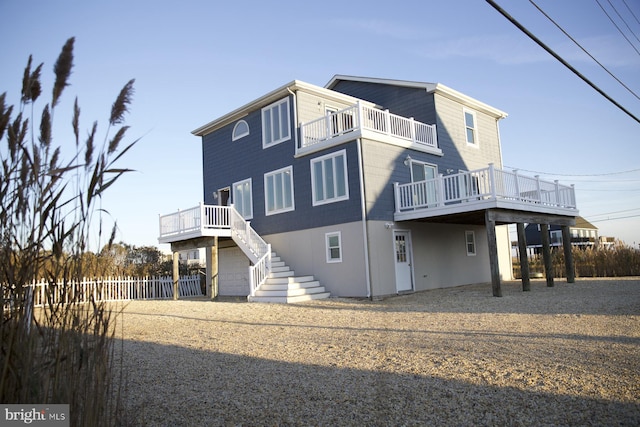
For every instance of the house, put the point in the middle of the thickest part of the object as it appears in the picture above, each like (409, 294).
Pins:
(583, 234)
(191, 257)
(366, 187)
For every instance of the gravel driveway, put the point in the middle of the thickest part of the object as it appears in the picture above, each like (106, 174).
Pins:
(567, 355)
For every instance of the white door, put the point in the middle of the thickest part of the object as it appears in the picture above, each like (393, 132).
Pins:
(403, 255)
(424, 172)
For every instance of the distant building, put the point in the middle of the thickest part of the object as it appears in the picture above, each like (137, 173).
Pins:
(192, 257)
(583, 234)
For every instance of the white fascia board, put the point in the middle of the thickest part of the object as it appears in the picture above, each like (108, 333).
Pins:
(271, 97)
(460, 97)
(430, 88)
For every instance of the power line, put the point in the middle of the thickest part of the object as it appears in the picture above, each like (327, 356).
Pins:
(559, 58)
(631, 11)
(564, 174)
(618, 28)
(612, 219)
(622, 19)
(615, 212)
(583, 49)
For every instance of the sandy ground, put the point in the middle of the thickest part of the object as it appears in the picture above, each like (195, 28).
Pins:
(567, 355)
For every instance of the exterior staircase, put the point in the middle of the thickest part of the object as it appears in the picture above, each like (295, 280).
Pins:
(283, 286)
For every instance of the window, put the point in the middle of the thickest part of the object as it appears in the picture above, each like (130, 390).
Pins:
(240, 130)
(555, 237)
(242, 199)
(470, 238)
(470, 127)
(334, 247)
(278, 191)
(276, 125)
(329, 178)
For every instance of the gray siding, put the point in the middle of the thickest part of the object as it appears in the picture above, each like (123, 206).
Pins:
(451, 136)
(445, 113)
(304, 252)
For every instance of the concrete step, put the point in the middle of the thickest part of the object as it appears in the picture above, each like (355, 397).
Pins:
(280, 269)
(281, 274)
(292, 285)
(290, 292)
(289, 279)
(289, 299)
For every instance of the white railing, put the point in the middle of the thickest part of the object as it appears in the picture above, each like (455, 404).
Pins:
(194, 220)
(44, 293)
(254, 246)
(482, 184)
(201, 219)
(357, 117)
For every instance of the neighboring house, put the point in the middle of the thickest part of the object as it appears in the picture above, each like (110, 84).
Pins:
(365, 188)
(191, 257)
(583, 234)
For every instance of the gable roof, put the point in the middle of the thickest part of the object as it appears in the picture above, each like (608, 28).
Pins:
(269, 98)
(438, 88)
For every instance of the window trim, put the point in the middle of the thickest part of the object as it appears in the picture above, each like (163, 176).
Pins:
(267, 212)
(471, 233)
(234, 136)
(271, 107)
(328, 248)
(345, 168)
(233, 196)
(476, 138)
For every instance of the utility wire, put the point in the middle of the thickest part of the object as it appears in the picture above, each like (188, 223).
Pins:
(559, 58)
(622, 19)
(566, 174)
(631, 11)
(612, 219)
(583, 49)
(618, 28)
(615, 212)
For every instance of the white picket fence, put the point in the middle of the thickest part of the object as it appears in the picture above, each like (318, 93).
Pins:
(114, 289)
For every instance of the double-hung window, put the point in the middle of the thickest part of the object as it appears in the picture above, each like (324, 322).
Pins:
(470, 238)
(329, 181)
(278, 191)
(276, 124)
(471, 127)
(242, 199)
(334, 247)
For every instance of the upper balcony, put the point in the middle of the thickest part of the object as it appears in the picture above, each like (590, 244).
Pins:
(361, 121)
(479, 190)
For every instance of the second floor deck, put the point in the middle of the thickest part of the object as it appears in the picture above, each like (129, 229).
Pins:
(360, 120)
(482, 189)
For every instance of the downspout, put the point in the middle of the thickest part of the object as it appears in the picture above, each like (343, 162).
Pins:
(363, 207)
(295, 119)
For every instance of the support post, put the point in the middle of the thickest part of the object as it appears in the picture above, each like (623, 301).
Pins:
(214, 268)
(546, 254)
(493, 254)
(524, 258)
(176, 275)
(568, 254)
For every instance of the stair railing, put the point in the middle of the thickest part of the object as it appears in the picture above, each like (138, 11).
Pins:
(254, 246)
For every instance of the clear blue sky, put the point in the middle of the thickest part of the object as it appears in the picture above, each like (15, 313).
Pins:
(194, 61)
